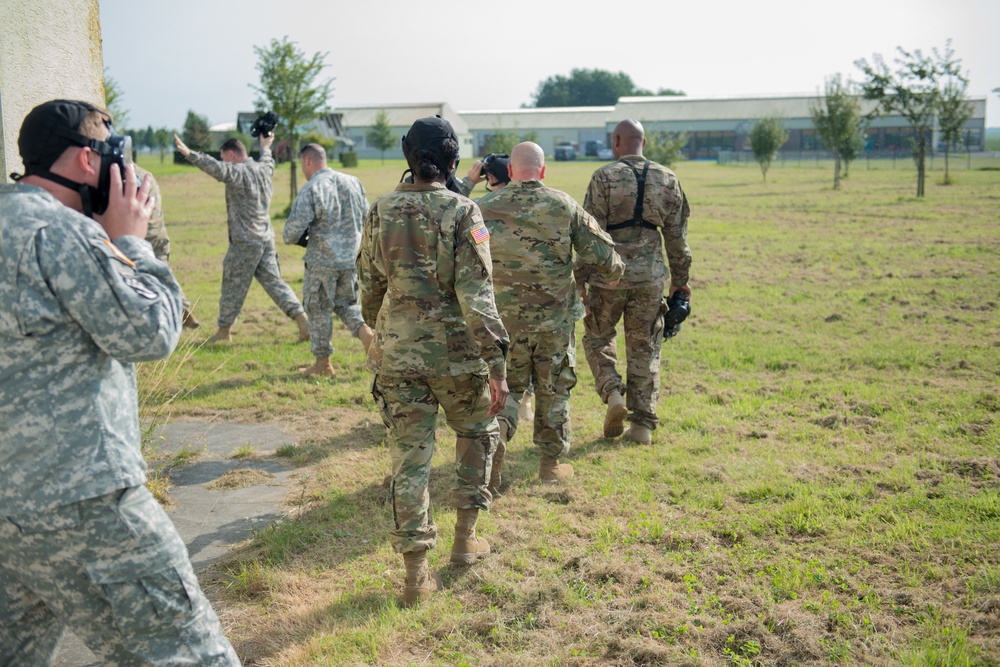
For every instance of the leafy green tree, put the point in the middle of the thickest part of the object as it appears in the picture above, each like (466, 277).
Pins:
(665, 147)
(162, 140)
(954, 109)
(290, 86)
(148, 137)
(196, 133)
(767, 136)
(531, 136)
(589, 87)
(380, 134)
(113, 101)
(314, 137)
(839, 123)
(912, 91)
(501, 141)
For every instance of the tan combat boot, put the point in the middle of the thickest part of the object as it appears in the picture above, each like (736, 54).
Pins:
(366, 336)
(467, 547)
(190, 321)
(639, 434)
(320, 368)
(496, 472)
(303, 323)
(419, 582)
(550, 471)
(614, 420)
(221, 336)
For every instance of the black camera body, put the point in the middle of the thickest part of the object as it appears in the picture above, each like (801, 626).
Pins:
(264, 124)
(674, 311)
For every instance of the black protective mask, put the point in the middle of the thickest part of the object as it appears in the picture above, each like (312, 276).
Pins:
(115, 150)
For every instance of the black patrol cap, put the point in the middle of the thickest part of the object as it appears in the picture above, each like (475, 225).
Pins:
(49, 129)
(428, 133)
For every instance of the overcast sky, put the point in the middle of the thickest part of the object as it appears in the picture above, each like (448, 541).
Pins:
(171, 56)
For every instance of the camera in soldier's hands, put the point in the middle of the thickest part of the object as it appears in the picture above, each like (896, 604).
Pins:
(264, 125)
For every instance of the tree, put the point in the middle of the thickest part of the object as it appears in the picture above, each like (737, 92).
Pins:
(289, 87)
(912, 91)
(380, 135)
(838, 121)
(954, 109)
(665, 147)
(113, 101)
(501, 141)
(589, 87)
(162, 139)
(196, 133)
(767, 136)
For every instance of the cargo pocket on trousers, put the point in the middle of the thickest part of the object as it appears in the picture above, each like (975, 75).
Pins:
(381, 404)
(146, 600)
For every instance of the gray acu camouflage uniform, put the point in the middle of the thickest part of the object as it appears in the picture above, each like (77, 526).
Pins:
(426, 288)
(82, 542)
(156, 234)
(534, 232)
(332, 207)
(251, 252)
(611, 198)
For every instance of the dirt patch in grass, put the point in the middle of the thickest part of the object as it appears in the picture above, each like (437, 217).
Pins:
(239, 479)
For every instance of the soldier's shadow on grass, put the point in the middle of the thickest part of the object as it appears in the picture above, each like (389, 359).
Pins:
(342, 530)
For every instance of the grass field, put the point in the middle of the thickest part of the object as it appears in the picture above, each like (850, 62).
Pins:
(824, 486)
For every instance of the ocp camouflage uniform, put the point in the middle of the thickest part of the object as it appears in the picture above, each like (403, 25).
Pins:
(427, 289)
(534, 231)
(82, 543)
(332, 207)
(156, 234)
(251, 252)
(611, 198)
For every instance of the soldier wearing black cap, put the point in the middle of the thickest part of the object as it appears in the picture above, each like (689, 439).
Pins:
(426, 283)
(82, 542)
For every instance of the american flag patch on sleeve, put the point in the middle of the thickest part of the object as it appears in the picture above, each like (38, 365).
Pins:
(480, 234)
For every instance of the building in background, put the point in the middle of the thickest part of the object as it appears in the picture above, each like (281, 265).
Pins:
(49, 49)
(550, 127)
(358, 120)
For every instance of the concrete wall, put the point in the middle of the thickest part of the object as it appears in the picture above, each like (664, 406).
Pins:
(49, 49)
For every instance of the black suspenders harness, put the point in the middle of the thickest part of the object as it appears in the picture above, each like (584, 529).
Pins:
(640, 180)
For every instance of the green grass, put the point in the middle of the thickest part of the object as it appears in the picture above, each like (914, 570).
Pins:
(824, 486)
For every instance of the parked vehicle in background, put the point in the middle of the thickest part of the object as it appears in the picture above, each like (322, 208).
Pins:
(565, 151)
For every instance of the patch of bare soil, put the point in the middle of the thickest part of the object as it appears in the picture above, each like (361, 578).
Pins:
(239, 479)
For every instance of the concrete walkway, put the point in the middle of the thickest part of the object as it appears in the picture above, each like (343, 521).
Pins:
(210, 521)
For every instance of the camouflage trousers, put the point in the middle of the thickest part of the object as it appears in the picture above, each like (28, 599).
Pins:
(243, 263)
(112, 569)
(161, 250)
(638, 309)
(325, 292)
(409, 408)
(547, 360)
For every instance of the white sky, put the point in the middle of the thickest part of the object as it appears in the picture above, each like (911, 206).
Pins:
(171, 56)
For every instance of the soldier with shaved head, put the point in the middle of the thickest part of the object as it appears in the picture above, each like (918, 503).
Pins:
(535, 231)
(643, 208)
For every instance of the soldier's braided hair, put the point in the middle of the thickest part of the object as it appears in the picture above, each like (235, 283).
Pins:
(429, 165)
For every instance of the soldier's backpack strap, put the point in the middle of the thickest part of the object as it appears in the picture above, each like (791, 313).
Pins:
(640, 179)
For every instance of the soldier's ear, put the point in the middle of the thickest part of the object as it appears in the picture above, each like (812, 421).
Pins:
(541, 175)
